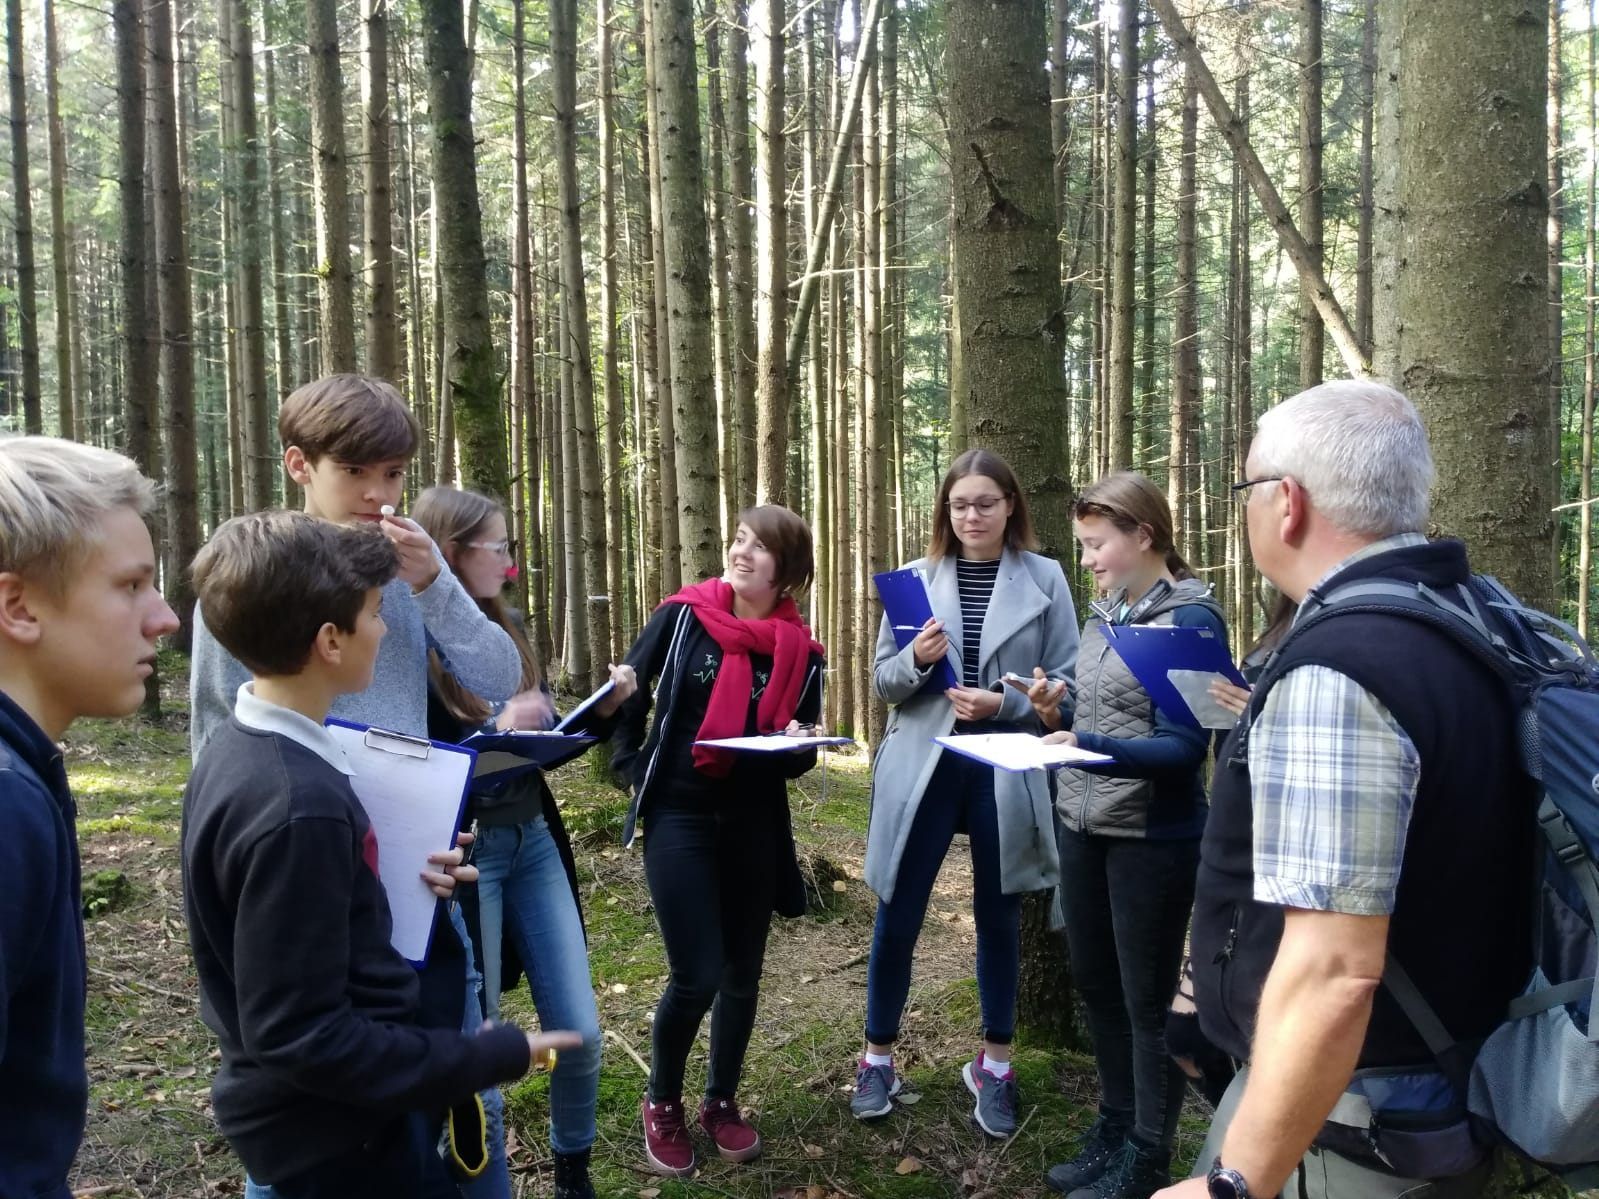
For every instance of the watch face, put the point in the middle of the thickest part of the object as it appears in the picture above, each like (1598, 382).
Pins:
(1226, 1184)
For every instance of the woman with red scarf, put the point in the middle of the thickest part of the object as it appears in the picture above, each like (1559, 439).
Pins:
(728, 657)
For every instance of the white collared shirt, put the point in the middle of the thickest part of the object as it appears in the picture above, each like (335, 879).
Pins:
(256, 713)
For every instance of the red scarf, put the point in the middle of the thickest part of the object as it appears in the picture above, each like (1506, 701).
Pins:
(783, 635)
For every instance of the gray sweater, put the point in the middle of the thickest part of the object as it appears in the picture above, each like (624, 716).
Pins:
(442, 616)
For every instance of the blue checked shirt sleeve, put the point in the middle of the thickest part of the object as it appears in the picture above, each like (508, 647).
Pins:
(1333, 780)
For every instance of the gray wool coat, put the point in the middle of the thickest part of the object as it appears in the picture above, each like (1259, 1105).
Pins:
(1031, 621)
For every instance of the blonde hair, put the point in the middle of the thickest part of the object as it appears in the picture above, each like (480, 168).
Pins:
(53, 495)
(452, 516)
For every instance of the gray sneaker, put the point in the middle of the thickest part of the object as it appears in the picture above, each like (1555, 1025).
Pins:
(875, 1088)
(995, 1112)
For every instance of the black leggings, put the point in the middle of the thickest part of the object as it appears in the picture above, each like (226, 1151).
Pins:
(1127, 903)
(712, 878)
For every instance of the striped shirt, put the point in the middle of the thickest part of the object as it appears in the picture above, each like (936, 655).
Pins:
(976, 583)
(1333, 778)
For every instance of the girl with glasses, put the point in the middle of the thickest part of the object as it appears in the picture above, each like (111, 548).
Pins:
(998, 608)
(527, 917)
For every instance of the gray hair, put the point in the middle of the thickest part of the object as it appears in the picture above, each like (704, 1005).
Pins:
(53, 495)
(1359, 448)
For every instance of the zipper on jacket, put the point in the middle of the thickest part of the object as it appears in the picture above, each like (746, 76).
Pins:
(1230, 945)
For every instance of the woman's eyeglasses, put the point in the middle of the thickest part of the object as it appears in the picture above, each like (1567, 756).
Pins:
(502, 548)
(984, 506)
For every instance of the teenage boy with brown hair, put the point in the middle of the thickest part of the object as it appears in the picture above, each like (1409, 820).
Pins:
(328, 1086)
(79, 620)
(346, 441)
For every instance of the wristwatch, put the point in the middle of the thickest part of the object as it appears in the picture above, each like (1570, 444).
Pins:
(1226, 1184)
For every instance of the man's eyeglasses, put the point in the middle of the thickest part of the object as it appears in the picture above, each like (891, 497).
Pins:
(1241, 488)
(502, 548)
(984, 506)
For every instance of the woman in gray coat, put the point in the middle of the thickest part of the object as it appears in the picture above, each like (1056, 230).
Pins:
(997, 608)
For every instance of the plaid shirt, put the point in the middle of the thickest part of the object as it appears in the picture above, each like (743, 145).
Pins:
(1333, 779)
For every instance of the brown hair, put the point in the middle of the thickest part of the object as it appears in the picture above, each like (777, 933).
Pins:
(788, 538)
(1019, 533)
(452, 517)
(1132, 502)
(350, 418)
(267, 582)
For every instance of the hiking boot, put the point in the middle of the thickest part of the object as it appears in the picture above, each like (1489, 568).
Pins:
(735, 1140)
(572, 1176)
(667, 1145)
(995, 1111)
(1133, 1172)
(1099, 1145)
(875, 1088)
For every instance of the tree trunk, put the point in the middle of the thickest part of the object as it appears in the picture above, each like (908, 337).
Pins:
(1124, 227)
(330, 183)
(688, 285)
(472, 371)
(287, 375)
(743, 280)
(615, 493)
(663, 410)
(260, 458)
(842, 141)
(22, 204)
(382, 330)
(67, 336)
(1008, 288)
(1242, 331)
(1312, 334)
(1460, 316)
(1288, 234)
(177, 321)
(726, 410)
(1144, 404)
(141, 397)
(771, 264)
(576, 659)
(1185, 336)
(524, 466)
(577, 347)
(1368, 74)
(1590, 282)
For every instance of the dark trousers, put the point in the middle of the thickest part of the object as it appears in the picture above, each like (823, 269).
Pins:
(959, 796)
(1127, 903)
(400, 1162)
(711, 879)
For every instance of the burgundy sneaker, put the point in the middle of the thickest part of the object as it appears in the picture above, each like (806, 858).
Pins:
(667, 1145)
(735, 1140)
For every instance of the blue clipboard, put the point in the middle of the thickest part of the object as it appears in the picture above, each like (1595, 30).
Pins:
(1151, 652)
(907, 608)
(413, 792)
(503, 756)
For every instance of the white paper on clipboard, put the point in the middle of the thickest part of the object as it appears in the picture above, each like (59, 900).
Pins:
(413, 791)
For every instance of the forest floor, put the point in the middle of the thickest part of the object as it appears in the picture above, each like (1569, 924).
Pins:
(150, 1131)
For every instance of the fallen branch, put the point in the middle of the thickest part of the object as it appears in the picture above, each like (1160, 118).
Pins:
(629, 1050)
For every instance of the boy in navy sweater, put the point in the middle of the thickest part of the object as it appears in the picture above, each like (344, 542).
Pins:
(79, 620)
(328, 1086)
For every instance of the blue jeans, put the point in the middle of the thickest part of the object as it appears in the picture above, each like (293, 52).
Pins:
(523, 888)
(495, 1181)
(959, 795)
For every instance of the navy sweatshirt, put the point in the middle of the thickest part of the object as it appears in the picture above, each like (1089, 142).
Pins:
(44, 1087)
(315, 1011)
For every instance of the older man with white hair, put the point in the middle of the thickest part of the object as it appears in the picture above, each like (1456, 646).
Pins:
(1363, 814)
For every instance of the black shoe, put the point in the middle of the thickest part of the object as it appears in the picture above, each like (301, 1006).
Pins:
(1099, 1145)
(1134, 1172)
(572, 1176)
